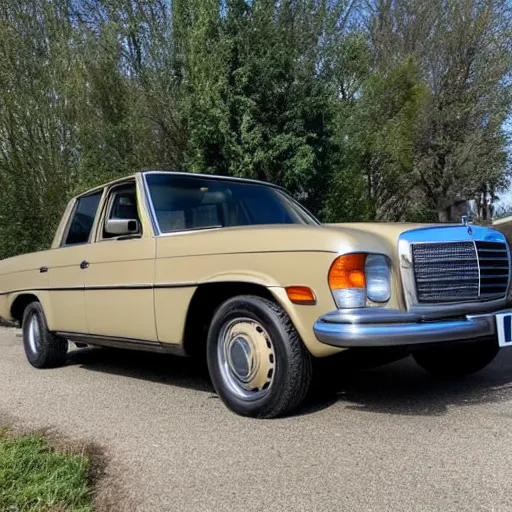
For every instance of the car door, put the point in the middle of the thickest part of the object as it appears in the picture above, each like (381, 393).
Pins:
(66, 267)
(120, 274)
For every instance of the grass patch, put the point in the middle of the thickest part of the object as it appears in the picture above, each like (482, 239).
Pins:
(35, 477)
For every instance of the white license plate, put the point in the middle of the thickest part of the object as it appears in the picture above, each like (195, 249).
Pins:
(504, 325)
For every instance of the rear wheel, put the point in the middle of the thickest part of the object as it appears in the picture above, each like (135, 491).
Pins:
(256, 359)
(457, 360)
(42, 348)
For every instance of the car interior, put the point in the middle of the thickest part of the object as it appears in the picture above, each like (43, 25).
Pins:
(196, 204)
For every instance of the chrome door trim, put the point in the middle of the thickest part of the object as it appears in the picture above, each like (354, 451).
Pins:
(126, 343)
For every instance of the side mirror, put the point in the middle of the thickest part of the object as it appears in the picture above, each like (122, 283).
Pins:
(121, 227)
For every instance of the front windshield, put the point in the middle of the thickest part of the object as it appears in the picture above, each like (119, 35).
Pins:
(186, 202)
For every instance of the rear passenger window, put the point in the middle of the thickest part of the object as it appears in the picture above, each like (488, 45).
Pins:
(83, 219)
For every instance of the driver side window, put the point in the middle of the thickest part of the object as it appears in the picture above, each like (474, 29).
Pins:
(122, 206)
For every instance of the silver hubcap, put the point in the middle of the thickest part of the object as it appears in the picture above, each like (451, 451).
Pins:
(34, 334)
(246, 358)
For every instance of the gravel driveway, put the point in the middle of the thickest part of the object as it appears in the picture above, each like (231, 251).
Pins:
(389, 439)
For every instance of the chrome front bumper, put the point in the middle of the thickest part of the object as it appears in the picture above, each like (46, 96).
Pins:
(370, 327)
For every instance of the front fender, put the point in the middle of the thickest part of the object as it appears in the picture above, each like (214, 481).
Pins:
(310, 271)
(242, 276)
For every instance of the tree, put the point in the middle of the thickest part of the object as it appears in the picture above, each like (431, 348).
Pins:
(387, 109)
(377, 138)
(40, 83)
(464, 54)
(135, 84)
(258, 105)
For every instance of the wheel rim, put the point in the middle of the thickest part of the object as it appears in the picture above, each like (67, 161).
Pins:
(246, 358)
(33, 334)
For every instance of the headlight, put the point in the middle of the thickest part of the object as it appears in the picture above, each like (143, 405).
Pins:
(378, 287)
(355, 277)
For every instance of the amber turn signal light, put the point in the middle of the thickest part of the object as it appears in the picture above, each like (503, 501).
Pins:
(301, 295)
(348, 272)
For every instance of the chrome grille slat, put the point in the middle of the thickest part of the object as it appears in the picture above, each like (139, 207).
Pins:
(494, 268)
(448, 279)
(460, 271)
(488, 296)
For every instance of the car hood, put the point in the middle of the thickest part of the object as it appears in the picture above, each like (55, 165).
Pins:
(335, 238)
(386, 232)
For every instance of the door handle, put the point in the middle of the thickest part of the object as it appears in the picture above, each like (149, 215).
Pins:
(43, 269)
(84, 265)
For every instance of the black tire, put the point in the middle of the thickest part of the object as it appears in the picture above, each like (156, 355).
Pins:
(457, 360)
(42, 348)
(291, 376)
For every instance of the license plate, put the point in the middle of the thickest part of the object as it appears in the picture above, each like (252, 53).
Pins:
(504, 325)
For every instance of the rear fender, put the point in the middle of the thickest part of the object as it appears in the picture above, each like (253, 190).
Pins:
(41, 295)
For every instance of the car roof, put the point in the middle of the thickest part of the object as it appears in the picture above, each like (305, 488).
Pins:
(179, 173)
(212, 177)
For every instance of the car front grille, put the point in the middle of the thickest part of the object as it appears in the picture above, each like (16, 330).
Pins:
(460, 271)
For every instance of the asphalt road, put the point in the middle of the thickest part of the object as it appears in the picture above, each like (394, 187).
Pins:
(388, 439)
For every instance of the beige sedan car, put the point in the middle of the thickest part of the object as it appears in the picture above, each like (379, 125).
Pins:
(238, 271)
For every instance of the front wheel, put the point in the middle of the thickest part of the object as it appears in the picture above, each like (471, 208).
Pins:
(457, 360)
(256, 359)
(42, 348)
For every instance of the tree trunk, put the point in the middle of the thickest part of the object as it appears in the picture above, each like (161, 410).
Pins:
(444, 214)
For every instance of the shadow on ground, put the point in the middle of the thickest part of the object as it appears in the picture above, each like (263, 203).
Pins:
(400, 388)
(161, 368)
(403, 388)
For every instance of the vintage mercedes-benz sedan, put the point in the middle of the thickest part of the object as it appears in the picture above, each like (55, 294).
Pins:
(180, 263)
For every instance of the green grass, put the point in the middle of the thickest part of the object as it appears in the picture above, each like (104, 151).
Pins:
(34, 477)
